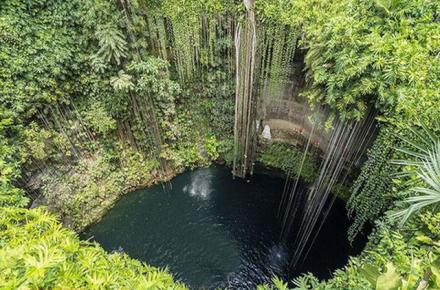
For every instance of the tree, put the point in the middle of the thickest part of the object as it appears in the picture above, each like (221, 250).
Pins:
(112, 45)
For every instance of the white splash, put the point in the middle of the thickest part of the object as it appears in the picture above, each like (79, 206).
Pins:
(200, 184)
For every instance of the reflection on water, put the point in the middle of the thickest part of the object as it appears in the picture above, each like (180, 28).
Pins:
(278, 257)
(213, 231)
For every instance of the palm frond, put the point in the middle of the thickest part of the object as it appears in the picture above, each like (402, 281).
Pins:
(428, 172)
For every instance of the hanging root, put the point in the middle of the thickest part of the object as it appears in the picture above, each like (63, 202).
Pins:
(244, 125)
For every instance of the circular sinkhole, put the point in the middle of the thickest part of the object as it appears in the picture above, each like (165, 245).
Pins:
(212, 231)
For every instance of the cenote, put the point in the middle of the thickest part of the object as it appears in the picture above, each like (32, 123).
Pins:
(214, 231)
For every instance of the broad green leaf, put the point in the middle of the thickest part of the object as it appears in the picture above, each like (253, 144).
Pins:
(390, 280)
(371, 273)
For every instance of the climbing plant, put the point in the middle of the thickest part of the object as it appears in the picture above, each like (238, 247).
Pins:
(96, 94)
(371, 191)
(367, 52)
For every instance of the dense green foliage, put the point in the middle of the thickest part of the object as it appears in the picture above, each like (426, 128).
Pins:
(9, 172)
(382, 54)
(288, 158)
(362, 53)
(420, 176)
(405, 257)
(371, 192)
(395, 259)
(392, 260)
(37, 253)
(92, 104)
(82, 101)
(100, 97)
(93, 185)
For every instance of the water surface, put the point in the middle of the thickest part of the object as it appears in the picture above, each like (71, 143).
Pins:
(212, 231)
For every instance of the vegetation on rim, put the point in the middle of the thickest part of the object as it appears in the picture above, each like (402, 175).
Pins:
(99, 97)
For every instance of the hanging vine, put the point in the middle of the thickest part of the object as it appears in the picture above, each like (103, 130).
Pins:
(278, 48)
(369, 193)
(244, 127)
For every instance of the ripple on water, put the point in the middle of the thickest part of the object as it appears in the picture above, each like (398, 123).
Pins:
(212, 231)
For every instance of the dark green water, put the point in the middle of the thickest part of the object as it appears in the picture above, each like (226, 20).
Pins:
(213, 231)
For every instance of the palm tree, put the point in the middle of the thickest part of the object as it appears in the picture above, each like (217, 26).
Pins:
(112, 45)
(423, 166)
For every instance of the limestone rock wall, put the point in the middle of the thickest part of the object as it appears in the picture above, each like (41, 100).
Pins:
(288, 114)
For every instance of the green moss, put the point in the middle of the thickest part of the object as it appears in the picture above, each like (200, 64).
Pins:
(81, 194)
(289, 158)
(226, 150)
